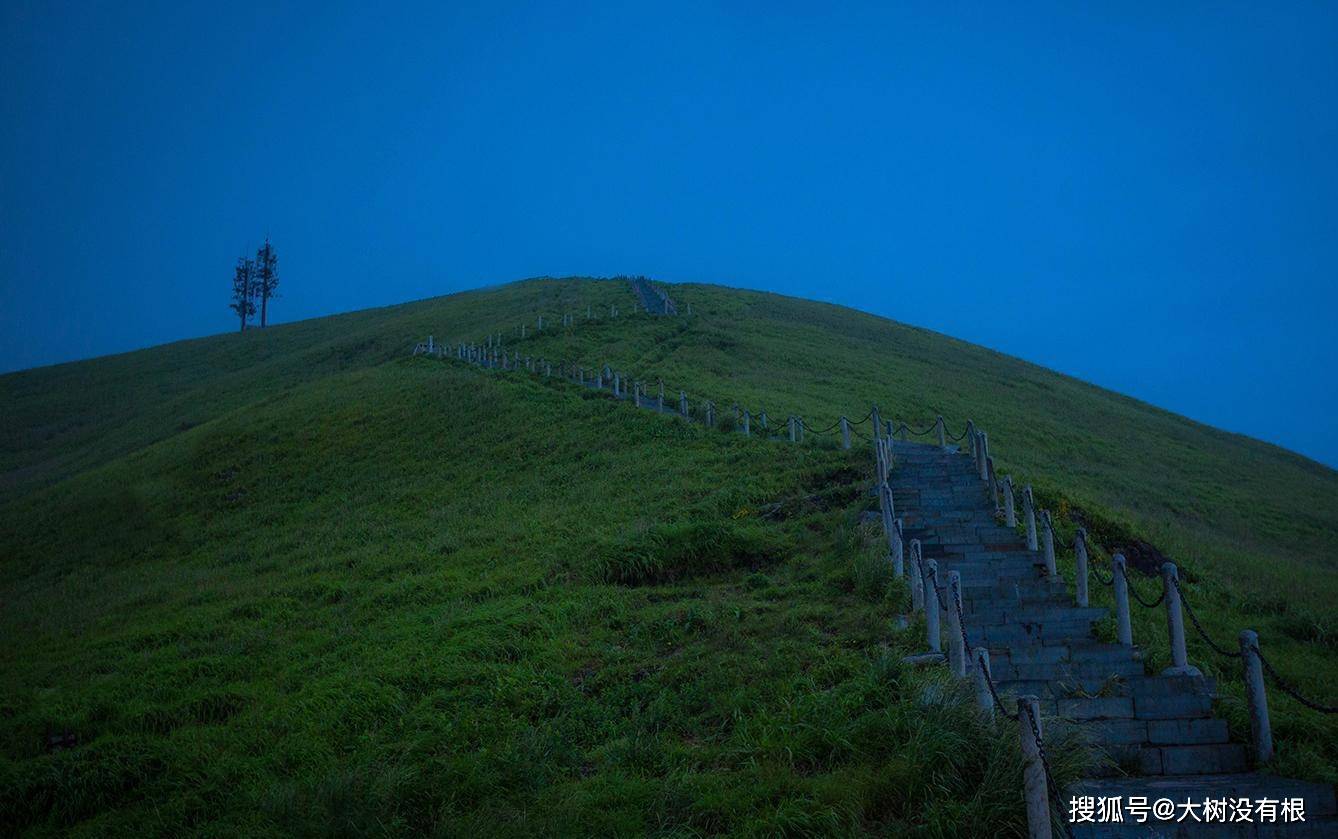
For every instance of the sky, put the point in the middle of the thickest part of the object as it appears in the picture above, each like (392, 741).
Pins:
(1144, 196)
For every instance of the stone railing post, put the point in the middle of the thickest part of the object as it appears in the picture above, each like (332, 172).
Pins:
(971, 438)
(845, 433)
(1261, 732)
(1029, 513)
(980, 659)
(794, 434)
(636, 394)
(983, 450)
(522, 330)
(917, 579)
(1048, 541)
(994, 485)
(1123, 627)
(659, 400)
(762, 421)
(429, 343)
(932, 630)
(898, 550)
(1010, 505)
(540, 327)
(1175, 624)
(747, 423)
(617, 385)
(877, 423)
(1080, 560)
(548, 369)
(941, 427)
(710, 414)
(683, 403)
(1034, 787)
(956, 647)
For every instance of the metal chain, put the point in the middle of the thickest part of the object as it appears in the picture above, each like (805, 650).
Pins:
(1286, 688)
(1194, 619)
(989, 682)
(1154, 604)
(1049, 776)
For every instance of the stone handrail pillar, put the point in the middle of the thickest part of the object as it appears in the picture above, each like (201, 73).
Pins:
(710, 414)
(956, 647)
(1029, 513)
(794, 436)
(1261, 732)
(941, 427)
(932, 629)
(1123, 627)
(898, 550)
(994, 484)
(659, 400)
(1175, 624)
(1080, 559)
(762, 421)
(917, 579)
(845, 433)
(747, 423)
(1034, 787)
(877, 420)
(983, 454)
(980, 665)
(971, 438)
(683, 403)
(1010, 505)
(1048, 541)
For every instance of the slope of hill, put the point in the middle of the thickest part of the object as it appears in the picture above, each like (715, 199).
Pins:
(295, 580)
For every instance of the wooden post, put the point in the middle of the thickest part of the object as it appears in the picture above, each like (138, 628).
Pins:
(845, 433)
(1034, 785)
(1080, 560)
(1175, 624)
(1261, 732)
(1123, 627)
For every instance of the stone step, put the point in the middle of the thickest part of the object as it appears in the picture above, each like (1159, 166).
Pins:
(1023, 633)
(1006, 613)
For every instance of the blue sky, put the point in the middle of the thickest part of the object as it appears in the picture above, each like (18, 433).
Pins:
(1141, 196)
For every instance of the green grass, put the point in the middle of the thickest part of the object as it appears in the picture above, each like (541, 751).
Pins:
(293, 581)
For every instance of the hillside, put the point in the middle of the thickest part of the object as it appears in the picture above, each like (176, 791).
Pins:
(296, 581)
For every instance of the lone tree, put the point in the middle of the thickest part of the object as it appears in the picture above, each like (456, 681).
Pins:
(266, 277)
(244, 290)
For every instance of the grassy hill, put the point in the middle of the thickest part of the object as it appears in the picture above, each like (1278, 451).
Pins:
(295, 581)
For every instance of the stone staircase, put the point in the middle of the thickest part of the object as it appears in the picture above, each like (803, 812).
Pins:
(1155, 735)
